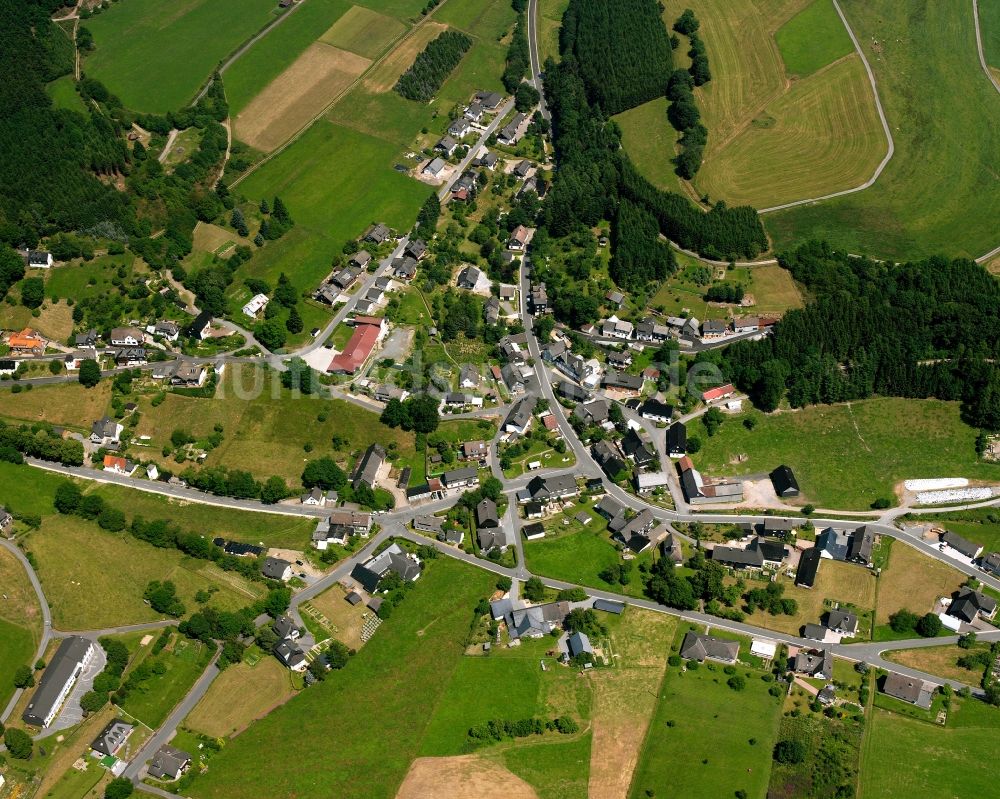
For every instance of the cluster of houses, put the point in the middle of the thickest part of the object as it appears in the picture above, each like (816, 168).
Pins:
(849, 546)
(168, 764)
(650, 330)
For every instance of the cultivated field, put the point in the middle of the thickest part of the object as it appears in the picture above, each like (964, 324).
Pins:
(85, 593)
(364, 32)
(66, 404)
(238, 696)
(954, 761)
(913, 581)
(776, 131)
(297, 95)
(625, 698)
(385, 75)
(275, 52)
(822, 135)
(845, 583)
(156, 55)
(462, 775)
(857, 452)
(398, 678)
(699, 741)
(348, 619)
(939, 660)
(945, 119)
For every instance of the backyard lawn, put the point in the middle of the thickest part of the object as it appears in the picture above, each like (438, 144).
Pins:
(940, 660)
(913, 581)
(184, 661)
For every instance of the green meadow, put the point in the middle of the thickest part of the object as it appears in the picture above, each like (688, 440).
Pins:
(63, 93)
(156, 54)
(388, 692)
(813, 38)
(857, 452)
(938, 194)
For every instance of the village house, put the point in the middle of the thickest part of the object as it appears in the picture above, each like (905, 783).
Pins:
(656, 411)
(169, 763)
(968, 604)
(460, 128)
(648, 482)
(377, 234)
(189, 375)
(613, 327)
(119, 465)
(105, 431)
(37, 259)
(490, 101)
(257, 304)
(717, 393)
(446, 145)
(111, 738)
(368, 332)
(201, 327)
(276, 569)
(369, 466)
(908, 689)
(392, 559)
(962, 546)
(706, 647)
(518, 238)
(27, 342)
(700, 491)
(817, 663)
(519, 419)
(474, 451)
(805, 575)
(677, 440)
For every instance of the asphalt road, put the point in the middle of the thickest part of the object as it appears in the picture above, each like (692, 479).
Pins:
(136, 768)
(535, 62)
(505, 109)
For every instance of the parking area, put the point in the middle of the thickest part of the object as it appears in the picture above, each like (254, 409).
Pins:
(71, 713)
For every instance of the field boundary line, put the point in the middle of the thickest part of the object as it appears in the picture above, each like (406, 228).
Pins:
(996, 85)
(326, 109)
(881, 115)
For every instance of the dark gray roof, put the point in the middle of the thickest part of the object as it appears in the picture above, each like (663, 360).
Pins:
(734, 556)
(808, 567)
(274, 568)
(699, 647)
(834, 542)
(968, 603)
(815, 662)
(368, 468)
(111, 737)
(283, 626)
(609, 606)
(464, 474)
(578, 644)
(860, 548)
(842, 620)
(168, 763)
(61, 669)
(909, 689)
(814, 631)
(963, 545)
(785, 484)
(486, 514)
(991, 562)
(559, 485)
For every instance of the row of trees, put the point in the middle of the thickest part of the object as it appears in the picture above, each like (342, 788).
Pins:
(684, 115)
(418, 413)
(924, 329)
(39, 441)
(518, 56)
(621, 49)
(432, 66)
(688, 24)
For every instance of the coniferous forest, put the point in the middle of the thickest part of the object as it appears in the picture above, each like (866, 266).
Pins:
(925, 329)
(434, 64)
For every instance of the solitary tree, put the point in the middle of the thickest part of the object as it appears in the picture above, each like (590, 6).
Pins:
(90, 373)
(18, 743)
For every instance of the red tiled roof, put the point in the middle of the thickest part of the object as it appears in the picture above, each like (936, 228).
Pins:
(114, 462)
(357, 350)
(367, 320)
(716, 393)
(684, 464)
(550, 422)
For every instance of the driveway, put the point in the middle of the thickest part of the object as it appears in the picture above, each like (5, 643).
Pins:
(71, 713)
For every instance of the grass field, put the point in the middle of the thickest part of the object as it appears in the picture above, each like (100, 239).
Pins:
(364, 32)
(954, 761)
(185, 661)
(989, 29)
(812, 39)
(298, 95)
(266, 420)
(770, 139)
(651, 142)
(155, 55)
(239, 695)
(706, 752)
(556, 770)
(65, 404)
(550, 13)
(19, 603)
(335, 182)
(273, 54)
(836, 581)
(625, 697)
(895, 439)
(25, 490)
(398, 678)
(268, 529)
(914, 581)
(935, 95)
(772, 288)
(822, 135)
(87, 592)
(63, 93)
(939, 660)
(17, 648)
(347, 620)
